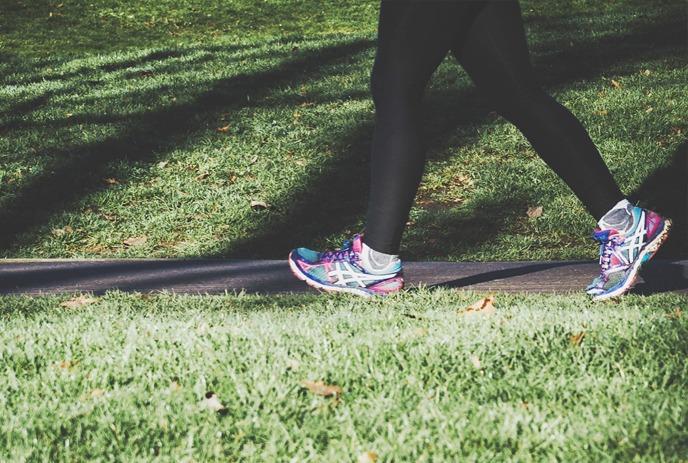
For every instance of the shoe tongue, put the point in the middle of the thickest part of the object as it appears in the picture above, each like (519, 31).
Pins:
(357, 244)
(603, 234)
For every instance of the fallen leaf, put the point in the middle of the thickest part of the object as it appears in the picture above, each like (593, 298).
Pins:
(646, 72)
(162, 164)
(534, 212)
(649, 109)
(577, 339)
(675, 314)
(66, 365)
(475, 360)
(135, 241)
(367, 457)
(483, 306)
(111, 181)
(97, 393)
(212, 402)
(78, 301)
(320, 388)
(293, 364)
(602, 112)
(258, 205)
(202, 175)
(615, 83)
(175, 386)
(420, 332)
(223, 129)
(62, 231)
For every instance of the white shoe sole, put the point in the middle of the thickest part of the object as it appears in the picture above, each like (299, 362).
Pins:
(298, 273)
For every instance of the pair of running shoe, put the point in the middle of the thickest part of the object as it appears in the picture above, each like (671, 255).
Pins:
(621, 256)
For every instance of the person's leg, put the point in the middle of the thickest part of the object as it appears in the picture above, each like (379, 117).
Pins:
(413, 38)
(495, 55)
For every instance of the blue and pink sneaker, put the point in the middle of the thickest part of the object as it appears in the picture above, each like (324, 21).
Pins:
(341, 271)
(622, 253)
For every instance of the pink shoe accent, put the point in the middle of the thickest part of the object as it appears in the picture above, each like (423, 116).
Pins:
(652, 223)
(357, 244)
(388, 286)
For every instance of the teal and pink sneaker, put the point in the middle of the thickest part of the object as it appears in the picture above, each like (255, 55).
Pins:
(622, 253)
(341, 271)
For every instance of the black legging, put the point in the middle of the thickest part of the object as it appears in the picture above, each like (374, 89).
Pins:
(488, 40)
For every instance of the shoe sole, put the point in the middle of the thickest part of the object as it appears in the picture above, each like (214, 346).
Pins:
(298, 273)
(645, 255)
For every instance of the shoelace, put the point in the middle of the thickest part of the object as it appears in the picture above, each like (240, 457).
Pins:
(345, 254)
(608, 248)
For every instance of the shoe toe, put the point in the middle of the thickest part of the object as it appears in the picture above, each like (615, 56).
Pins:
(307, 255)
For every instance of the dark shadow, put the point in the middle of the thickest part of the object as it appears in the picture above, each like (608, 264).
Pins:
(181, 275)
(660, 277)
(152, 56)
(517, 270)
(79, 169)
(666, 191)
(214, 276)
(309, 218)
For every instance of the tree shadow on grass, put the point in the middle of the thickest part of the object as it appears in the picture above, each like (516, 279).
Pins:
(341, 181)
(334, 201)
(666, 191)
(79, 169)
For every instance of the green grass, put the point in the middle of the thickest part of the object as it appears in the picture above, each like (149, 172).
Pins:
(109, 118)
(124, 377)
(135, 93)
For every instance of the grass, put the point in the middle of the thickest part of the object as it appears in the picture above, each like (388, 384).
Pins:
(139, 129)
(124, 378)
(109, 118)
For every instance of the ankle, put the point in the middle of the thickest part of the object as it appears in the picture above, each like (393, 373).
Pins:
(376, 262)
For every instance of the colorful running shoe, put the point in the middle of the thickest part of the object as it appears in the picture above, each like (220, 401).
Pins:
(622, 254)
(341, 271)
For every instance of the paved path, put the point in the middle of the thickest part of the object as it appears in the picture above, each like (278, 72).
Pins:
(273, 276)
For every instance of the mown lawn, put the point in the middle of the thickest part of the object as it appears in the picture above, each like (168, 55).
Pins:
(543, 378)
(146, 129)
(163, 121)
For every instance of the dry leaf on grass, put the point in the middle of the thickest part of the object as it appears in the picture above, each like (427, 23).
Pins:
(111, 181)
(615, 83)
(675, 314)
(162, 164)
(483, 306)
(78, 301)
(175, 386)
(224, 129)
(255, 204)
(293, 364)
(212, 402)
(62, 231)
(577, 339)
(418, 332)
(66, 365)
(135, 241)
(97, 393)
(475, 360)
(367, 457)
(322, 389)
(534, 212)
